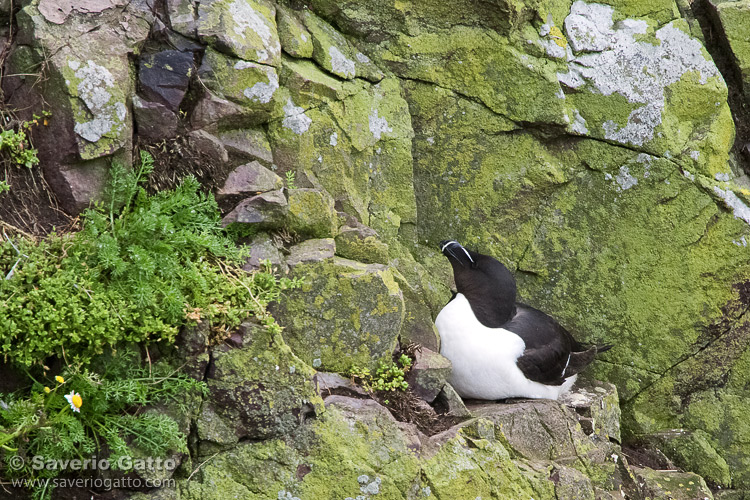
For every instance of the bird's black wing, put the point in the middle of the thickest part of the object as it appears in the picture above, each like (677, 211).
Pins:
(549, 346)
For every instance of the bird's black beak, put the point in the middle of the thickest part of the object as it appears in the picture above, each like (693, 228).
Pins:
(454, 251)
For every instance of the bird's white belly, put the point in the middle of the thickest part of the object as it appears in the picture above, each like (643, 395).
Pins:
(484, 359)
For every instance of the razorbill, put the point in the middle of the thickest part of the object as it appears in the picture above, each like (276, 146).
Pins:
(501, 348)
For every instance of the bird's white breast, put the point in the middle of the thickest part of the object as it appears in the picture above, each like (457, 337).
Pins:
(484, 359)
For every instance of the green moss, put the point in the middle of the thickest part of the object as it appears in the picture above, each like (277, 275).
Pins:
(468, 61)
(358, 148)
(468, 466)
(311, 213)
(295, 39)
(355, 246)
(347, 313)
(262, 388)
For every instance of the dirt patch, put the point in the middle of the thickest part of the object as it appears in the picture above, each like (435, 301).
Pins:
(177, 158)
(30, 206)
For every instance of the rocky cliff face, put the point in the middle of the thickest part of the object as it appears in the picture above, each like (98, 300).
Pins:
(589, 146)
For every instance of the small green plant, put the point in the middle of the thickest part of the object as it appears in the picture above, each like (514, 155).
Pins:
(81, 412)
(16, 144)
(141, 267)
(290, 179)
(389, 376)
(4, 186)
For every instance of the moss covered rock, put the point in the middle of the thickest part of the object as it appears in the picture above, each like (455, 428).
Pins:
(259, 390)
(311, 213)
(248, 84)
(346, 314)
(244, 28)
(734, 17)
(361, 243)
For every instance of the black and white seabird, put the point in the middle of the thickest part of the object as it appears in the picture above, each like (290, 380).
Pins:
(501, 348)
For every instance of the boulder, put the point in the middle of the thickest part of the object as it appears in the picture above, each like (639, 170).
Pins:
(244, 28)
(295, 39)
(359, 242)
(265, 211)
(263, 248)
(164, 76)
(347, 313)
(597, 406)
(249, 179)
(312, 214)
(315, 250)
(258, 391)
(247, 84)
(448, 402)
(153, 120)
(332, 51)
(691, 451)
(428, 374)
(671, 485)
(247, 145)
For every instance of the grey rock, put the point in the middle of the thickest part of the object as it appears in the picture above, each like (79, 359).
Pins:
(690, 450)
(267, 210)
(671, 484)
(428, 374)
(315, 250)
(154, 120)
(346, 314)
(247, 84)
(263, 248)
(209, 145)
(330, 384)
(247, 145)
(571, 483)
(295, 39)
(448, 402)
(78, 184)
(183, 16)
(259, 390)
(212, 110)
(419, 327)
(250, 178)
(597, 406)
(249, 32)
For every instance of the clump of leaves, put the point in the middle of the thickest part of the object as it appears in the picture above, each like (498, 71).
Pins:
(291, 178)
(15, 143)
(389, 376)
(141, 267)
(46, 421)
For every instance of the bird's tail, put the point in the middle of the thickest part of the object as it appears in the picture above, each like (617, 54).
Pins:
(580, 360)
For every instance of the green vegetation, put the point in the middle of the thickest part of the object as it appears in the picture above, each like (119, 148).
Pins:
(16, 145)
(291, 177)
(141, 267)
(389, 376)
(48, 422)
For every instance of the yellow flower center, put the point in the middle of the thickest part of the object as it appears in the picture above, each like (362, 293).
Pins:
(47, 390)
(60, 380)
(76, 400)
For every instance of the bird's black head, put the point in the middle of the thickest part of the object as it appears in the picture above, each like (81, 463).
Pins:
(484, 281)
